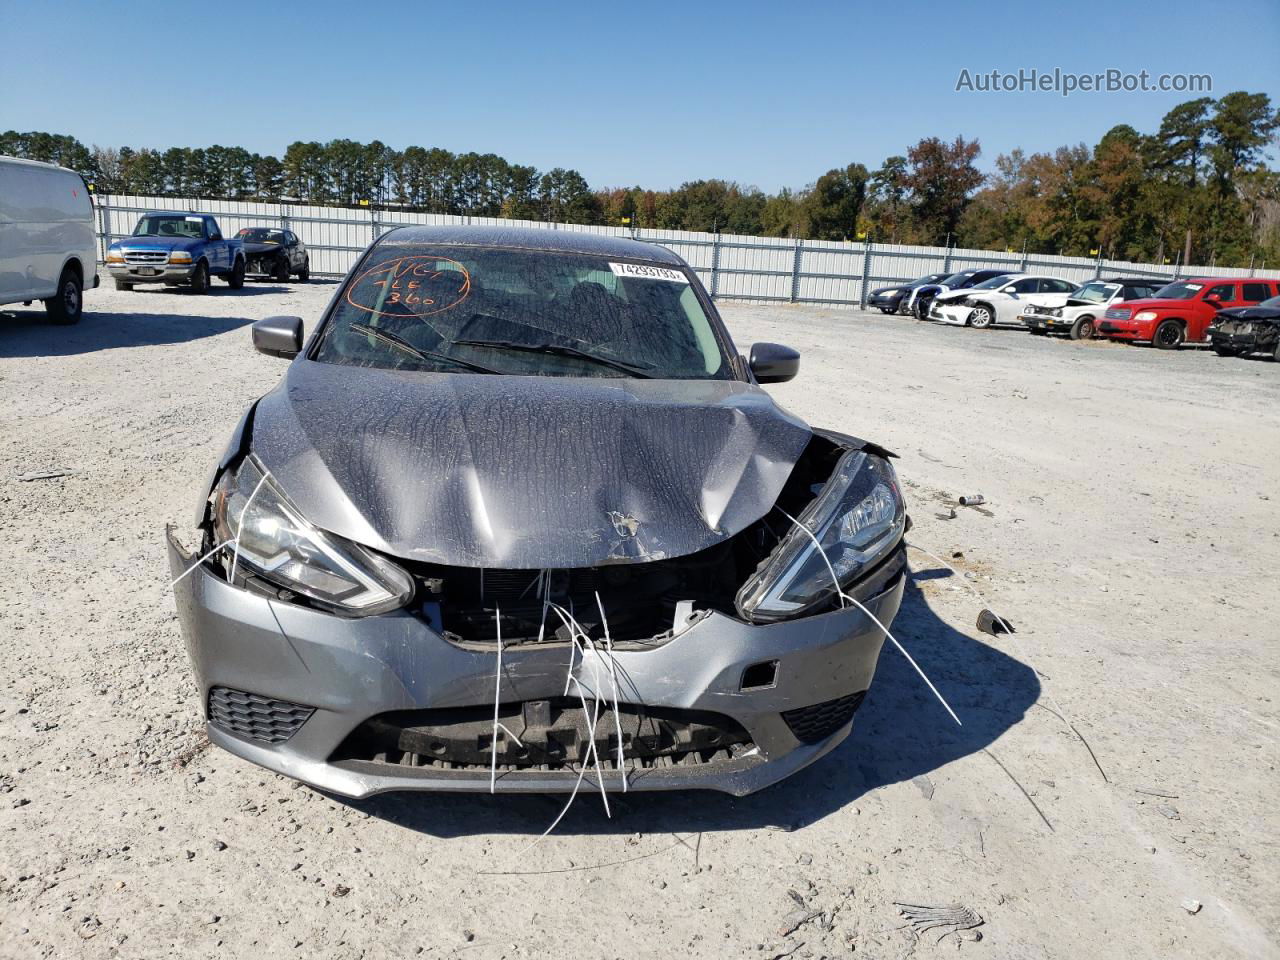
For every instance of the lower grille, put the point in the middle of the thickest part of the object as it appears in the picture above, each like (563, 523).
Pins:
(816, 723)
(255, 717)
(552, 735)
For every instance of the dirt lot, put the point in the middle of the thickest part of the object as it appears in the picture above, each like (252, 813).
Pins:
(1131, 534)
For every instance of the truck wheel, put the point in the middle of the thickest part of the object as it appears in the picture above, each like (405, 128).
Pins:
(235, 279)
(1168, 336)
(304, 275)
(1082, 329)
(981, 317)
(122, 285)
(200, 278)
(67, 305)
(281, 272)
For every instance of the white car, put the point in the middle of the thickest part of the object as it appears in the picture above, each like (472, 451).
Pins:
(46, 237)
(1077, 313)
(998, 300)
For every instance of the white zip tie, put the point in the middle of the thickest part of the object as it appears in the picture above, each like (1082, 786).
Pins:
(1008, 632)
(235, 556)
(575, 631)
(497, 698)
(613, 680)
(844, 596)
(225, 543)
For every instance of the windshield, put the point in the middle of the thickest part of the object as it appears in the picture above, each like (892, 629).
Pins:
(958, 278)
(1095, 292)
(261, 235)
(170, 226)
(523, 313)
(1273, 303)
(925, 281)
(992, 283)
(1179, 290)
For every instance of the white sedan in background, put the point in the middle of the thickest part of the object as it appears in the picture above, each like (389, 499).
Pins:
(998, 300)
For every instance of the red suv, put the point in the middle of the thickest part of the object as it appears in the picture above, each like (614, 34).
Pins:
(1182, 311)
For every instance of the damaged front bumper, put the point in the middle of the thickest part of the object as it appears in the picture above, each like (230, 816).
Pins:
(737, 707)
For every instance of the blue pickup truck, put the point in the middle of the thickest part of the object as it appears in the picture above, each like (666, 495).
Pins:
(176, 249)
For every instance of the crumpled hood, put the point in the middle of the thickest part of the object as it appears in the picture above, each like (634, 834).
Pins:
(256, 246)
(524, 472)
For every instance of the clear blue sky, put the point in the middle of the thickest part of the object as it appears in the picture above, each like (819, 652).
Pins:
(770, 94)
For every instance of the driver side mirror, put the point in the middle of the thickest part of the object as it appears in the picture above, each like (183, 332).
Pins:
(278, 337)
(773, 363)
(215, 236)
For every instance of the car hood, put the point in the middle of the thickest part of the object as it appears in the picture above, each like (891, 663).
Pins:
(159, 243)
(524, 472)
(1249, 313)
(1153, 304)
(256, 246)
(884, 290)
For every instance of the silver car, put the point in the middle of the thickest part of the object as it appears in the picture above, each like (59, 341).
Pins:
(519, 517)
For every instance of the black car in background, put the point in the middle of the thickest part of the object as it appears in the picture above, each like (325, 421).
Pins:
(895, 299)
(274, 253)
(1237, 331)
(963, 280)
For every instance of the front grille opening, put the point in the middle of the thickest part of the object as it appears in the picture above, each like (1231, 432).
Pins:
(644, 603)
(814, 724)
(552, 735)
(256, 717)
(760, 676)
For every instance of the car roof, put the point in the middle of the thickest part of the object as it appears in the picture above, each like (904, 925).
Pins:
(176, 213)
(1134, 281)
(24, 162)
(1220, 280)
(531, 238)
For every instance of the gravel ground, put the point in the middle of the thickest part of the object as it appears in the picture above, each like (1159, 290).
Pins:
(1130, 534)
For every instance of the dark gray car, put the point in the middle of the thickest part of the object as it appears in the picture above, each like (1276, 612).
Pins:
(519, 514)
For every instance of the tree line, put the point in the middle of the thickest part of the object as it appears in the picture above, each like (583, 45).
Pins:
(1197, 189)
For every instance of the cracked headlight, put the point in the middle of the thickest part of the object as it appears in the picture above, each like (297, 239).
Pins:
(280, 546)
(859, 519)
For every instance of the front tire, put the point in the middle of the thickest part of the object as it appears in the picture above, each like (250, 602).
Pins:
(980, 317)
(66, 306)
(1082, 329)
(200, 278)
(235, 279)
(304, 275)
(281, 272)
(1169, 335)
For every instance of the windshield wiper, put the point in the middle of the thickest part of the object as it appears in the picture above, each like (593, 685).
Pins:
(400, 343)
(563, 350)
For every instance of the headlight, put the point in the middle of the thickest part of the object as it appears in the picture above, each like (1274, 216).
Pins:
(1145, 315)
(179, 256)
(115, 256)
(1055, 312)
(859, 518)
(279, 545)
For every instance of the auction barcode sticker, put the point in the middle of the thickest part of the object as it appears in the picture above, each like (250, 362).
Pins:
(644, 271)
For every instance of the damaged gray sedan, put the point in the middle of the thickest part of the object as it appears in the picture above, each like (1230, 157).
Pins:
(519, 514)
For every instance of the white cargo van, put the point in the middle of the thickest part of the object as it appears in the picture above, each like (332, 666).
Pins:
(46, 237)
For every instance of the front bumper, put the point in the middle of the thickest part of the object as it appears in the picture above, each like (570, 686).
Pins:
(350, 670)
(887, 301)
(957, 315)
(151, 273)
(1125, 330)
(1035, 321)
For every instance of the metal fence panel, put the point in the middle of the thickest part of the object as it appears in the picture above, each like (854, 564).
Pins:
(731, 266)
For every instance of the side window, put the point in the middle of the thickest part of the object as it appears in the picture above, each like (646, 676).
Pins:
(1030, 285)
(210, 227)
(1062, 286)
(1223, 292)
(1255, 292)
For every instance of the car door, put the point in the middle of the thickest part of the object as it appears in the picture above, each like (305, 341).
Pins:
(215, 250)
(1254, 291)
(1217, 297)
(1024, 291)
(297, 252)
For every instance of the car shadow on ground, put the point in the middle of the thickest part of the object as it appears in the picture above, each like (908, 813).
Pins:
(901, 732)
(27, 333)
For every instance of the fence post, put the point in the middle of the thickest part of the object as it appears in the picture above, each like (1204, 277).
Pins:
(795, 272)
(715, 265)
(106, 229)
(1097, 270)
(946, 261)
(1023, 269)
(284, 216)
(866, 272)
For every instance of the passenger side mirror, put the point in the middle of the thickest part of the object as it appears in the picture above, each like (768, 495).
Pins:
(278, 337)
(774, 363)
(214, 236)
